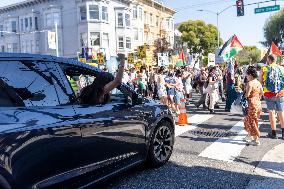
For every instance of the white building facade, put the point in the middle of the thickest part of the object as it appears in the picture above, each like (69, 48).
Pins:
(109, 26)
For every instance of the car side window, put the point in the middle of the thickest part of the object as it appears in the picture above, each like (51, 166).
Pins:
(31, 81)
(8, 97)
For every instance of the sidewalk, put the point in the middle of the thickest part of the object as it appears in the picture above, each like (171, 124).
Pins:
(270, 170)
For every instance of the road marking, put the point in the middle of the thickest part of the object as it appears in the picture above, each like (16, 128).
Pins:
(227, 149)
(194, 121)
(271, 168)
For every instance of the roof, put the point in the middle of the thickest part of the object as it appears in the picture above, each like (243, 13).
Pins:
(26, 56)
(21, 4)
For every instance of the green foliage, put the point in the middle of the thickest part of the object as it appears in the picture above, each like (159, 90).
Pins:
(250, 54)
(201, 38)
(274, 29)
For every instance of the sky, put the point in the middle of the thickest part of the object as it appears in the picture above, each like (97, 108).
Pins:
(248, 28)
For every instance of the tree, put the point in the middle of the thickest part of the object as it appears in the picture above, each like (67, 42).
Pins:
(201, 38)
(274, 29)
(249, 55)
(161, 46)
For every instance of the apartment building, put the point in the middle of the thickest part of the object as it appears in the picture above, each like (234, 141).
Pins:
(158, 21)
(109, 26)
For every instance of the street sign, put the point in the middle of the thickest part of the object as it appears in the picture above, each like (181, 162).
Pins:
(267, 9)
(101, 58)
(130, 58)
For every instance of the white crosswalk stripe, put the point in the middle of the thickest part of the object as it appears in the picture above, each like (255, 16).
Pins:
(227, 149)
(194, 121)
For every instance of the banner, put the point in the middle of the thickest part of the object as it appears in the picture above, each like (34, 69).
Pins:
(51, 39)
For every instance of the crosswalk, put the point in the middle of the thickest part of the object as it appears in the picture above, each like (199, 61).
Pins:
(223, 149)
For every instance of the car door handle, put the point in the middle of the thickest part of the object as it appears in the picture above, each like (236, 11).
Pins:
(65, 117)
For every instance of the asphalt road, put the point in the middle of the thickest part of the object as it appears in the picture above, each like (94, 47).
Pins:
(209, 154)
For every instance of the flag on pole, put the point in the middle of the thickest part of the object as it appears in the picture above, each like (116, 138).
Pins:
(231, 48)
(274, 50)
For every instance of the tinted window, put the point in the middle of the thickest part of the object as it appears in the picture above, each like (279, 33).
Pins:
(31, 81)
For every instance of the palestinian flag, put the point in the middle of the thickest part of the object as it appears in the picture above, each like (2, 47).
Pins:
(231, 48)
(274, 50)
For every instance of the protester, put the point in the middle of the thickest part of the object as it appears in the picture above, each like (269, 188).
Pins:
(202, 84)
(162, 91)
(170, 81)
(187, 80)
(272, 77)
(253, 93)
(179, 92)
(231, 94)
(212, 89)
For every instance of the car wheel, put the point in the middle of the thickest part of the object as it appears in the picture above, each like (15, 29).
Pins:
(161, 146)
(4, 184)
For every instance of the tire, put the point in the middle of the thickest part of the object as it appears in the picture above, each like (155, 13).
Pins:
(4, 183)
(161, 145)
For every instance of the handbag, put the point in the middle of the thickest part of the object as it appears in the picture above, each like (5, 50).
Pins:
(245, 105)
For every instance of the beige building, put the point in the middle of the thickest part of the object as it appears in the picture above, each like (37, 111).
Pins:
(158, 21)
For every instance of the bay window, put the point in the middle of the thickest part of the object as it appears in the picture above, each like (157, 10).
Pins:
(94, 12)
(104, 13)
(120, 42)
(105, 41)
(135, 34)
(95, 38)
(127, 19)
(128, 42)
(135, 14)
(120, 20)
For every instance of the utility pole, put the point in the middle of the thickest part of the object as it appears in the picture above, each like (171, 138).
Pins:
(56, 33)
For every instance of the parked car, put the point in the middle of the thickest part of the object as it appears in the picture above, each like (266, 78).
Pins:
(48, 139)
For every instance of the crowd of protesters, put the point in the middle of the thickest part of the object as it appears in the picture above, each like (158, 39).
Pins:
(214, 84)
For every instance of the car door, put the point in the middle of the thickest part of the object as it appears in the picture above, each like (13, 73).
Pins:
(40, 136)
(112, 134)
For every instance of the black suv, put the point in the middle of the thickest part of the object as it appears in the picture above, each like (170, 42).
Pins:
(48, 139)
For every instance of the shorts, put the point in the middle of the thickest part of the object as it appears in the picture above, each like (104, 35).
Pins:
(275, 103)
(178, 97)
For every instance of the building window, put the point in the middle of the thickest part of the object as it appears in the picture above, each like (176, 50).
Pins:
(127, 19)
(105, 41)
(95, 38)
(31, 22)
(120, 42)
(135, 34)
(104, 13)
(168, 24)
(83, 13)
(14, 26)
(15, 47)
(36, 23)
(120, 20)
(157, 21)
(135, 14)
(151, 19)
(140, 13)
(26, 23)
(84, 39)
(22, 24)
(94, 12)
(128, 42)
(56, 18)
(32, 46)
(37, 45)
(1, 30)
(48, 19)
(9, 47)
(2, 48)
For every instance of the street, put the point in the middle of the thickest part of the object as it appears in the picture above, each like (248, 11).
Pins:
(210, 153)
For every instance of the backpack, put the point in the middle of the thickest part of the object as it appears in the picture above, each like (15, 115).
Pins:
(275, 79)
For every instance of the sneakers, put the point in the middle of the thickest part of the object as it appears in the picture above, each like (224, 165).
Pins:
(247, 139)
(254, 143)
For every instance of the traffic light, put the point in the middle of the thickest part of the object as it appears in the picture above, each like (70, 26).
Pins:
(240, 7)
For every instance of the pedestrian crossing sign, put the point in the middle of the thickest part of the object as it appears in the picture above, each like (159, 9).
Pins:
(101, 58)
(130, 58)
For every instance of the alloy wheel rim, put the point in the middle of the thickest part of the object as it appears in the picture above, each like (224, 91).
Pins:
(163, 143)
